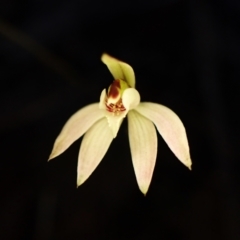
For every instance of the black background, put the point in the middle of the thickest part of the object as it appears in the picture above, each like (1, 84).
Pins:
(185, 55)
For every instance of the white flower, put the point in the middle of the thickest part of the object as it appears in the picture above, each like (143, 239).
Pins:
(100, 123)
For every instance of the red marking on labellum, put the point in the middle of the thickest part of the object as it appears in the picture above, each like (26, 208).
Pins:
(115, 108)
(114, 89)
(114, 92)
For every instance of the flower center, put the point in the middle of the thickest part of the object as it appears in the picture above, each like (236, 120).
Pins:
(113, 100)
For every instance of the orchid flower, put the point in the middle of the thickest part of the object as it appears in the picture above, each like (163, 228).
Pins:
(101, 121)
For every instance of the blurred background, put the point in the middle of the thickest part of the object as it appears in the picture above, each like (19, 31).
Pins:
(185, 55)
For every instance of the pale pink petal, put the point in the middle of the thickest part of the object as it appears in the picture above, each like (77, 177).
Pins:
(94, 146)
(119, 69)
(143, 144)
(75, 127)
(170, 127)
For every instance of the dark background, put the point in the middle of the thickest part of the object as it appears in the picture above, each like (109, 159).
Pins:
(185, 55)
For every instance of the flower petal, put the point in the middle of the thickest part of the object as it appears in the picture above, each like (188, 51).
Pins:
(130, 98)
(94, 145)
(119, 69)
(75, 127)
(143, 144)
(170, 127)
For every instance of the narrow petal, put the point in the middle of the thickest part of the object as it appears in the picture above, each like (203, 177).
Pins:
(119, 69)
(75, 127)
(94, 146)
(170, 127)
(143, 144)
